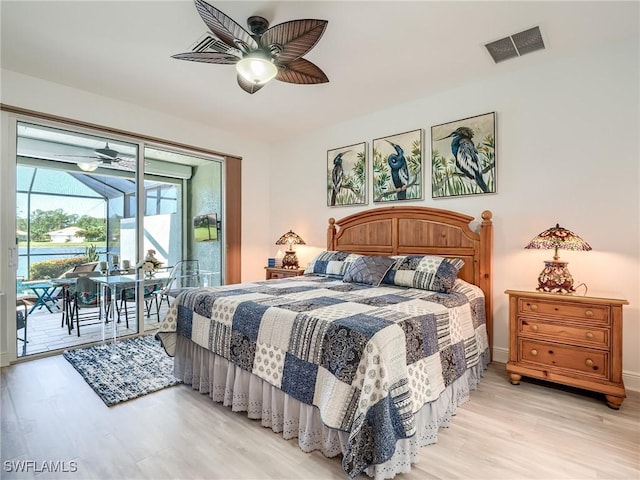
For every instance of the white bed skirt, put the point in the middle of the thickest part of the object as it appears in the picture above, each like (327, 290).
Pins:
(244, 392)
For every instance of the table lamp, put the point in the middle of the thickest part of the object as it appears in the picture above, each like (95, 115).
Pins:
(290, 239)
(555, 276)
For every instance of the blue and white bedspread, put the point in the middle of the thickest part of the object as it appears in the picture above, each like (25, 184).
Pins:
(367, 357)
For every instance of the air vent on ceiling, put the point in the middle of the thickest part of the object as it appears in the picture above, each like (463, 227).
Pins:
(516, 45)
(209, 43)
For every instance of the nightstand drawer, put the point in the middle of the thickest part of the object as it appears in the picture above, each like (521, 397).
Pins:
(590, 362)
(276, 272)
(279, 275)
(588, 336)
(585, 311)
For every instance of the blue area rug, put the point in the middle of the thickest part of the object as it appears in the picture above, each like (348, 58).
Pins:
(125, 370)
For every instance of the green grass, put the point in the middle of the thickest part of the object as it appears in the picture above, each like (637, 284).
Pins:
(80, 245)
(204, 234)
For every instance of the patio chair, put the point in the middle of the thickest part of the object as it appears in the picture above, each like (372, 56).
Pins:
(67, 293)
(83, 268)
(184, 274)
(85, 297)
(129, 295)
(23, 302)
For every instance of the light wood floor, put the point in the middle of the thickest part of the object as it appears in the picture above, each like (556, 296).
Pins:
(530, 431)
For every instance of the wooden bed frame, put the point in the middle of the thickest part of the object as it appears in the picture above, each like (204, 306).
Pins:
(405, 230)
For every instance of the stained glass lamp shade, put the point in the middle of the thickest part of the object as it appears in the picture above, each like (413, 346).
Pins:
(290, 239)
(555, 276)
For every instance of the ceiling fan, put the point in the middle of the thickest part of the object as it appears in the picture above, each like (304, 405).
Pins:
(263, 54)
(104, 156)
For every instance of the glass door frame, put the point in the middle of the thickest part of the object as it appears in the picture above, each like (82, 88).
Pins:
(9, 133)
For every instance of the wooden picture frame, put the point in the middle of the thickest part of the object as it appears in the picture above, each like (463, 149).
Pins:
(397, 167)
(347, 175)
(473, 140)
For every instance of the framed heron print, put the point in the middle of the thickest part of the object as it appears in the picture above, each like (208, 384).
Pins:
(463, 157)
(397, 167)
(347, 175)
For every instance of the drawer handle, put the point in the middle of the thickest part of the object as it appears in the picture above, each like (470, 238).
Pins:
(588, 313)
(534, 328)
(534, 352)
(588, 362)
(588, 335)
(533, 307)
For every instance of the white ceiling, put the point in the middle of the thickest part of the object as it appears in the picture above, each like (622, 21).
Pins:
(375, 53)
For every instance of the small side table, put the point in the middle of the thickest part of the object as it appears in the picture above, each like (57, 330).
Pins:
(567, 339)
(275, 272)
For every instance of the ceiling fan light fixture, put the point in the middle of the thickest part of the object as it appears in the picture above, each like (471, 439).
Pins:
(87, 166)
(262, 55)
(256, 69)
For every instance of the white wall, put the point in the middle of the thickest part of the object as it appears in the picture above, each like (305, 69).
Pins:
(567, 152)
(54, 99)
(567, 149)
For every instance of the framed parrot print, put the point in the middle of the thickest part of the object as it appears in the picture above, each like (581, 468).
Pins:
(463, 157)
(397, 167)
(347, 175)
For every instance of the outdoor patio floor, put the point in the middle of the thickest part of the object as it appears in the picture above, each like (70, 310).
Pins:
(45, 333)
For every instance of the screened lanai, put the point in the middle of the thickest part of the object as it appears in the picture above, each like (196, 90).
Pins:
(49, 196)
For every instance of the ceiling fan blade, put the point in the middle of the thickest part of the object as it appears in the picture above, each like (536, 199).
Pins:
(77, 156)
(301, 71)
(207, 57)
(224, 27)
(247, 86)
(296, 37)
(107, 153)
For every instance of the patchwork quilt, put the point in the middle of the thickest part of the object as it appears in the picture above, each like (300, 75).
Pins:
(367, 357)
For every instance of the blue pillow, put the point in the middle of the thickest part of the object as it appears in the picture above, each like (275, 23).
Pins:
(331, 263)
(426, 272)
(368, 270)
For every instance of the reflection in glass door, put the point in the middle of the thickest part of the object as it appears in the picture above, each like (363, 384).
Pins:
(171, 212)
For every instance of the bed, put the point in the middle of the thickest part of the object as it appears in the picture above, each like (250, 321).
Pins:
(368, 354)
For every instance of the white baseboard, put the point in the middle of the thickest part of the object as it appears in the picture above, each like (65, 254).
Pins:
(500, 355)
(631, 379)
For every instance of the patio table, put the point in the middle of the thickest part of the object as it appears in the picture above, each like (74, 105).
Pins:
(42, 290)
(111, 290)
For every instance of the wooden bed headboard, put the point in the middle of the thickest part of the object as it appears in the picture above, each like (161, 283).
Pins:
(405, 230)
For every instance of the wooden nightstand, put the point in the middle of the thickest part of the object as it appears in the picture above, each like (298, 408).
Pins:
(274, 272)
(567, 339)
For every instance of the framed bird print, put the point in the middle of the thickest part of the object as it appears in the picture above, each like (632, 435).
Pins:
(397, 167)
(347, 175)
(463, 157)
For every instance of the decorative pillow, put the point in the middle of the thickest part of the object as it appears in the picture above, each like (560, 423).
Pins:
(369, 270)
(426, 272)
(331, 263)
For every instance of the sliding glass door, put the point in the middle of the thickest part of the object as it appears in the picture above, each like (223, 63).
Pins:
(87, 207)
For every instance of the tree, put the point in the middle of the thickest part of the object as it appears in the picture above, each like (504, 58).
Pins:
(47, 221)
(21, 224)
(93, 229)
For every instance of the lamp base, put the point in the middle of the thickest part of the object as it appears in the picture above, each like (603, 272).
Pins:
(290, 260)
(555, 278)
